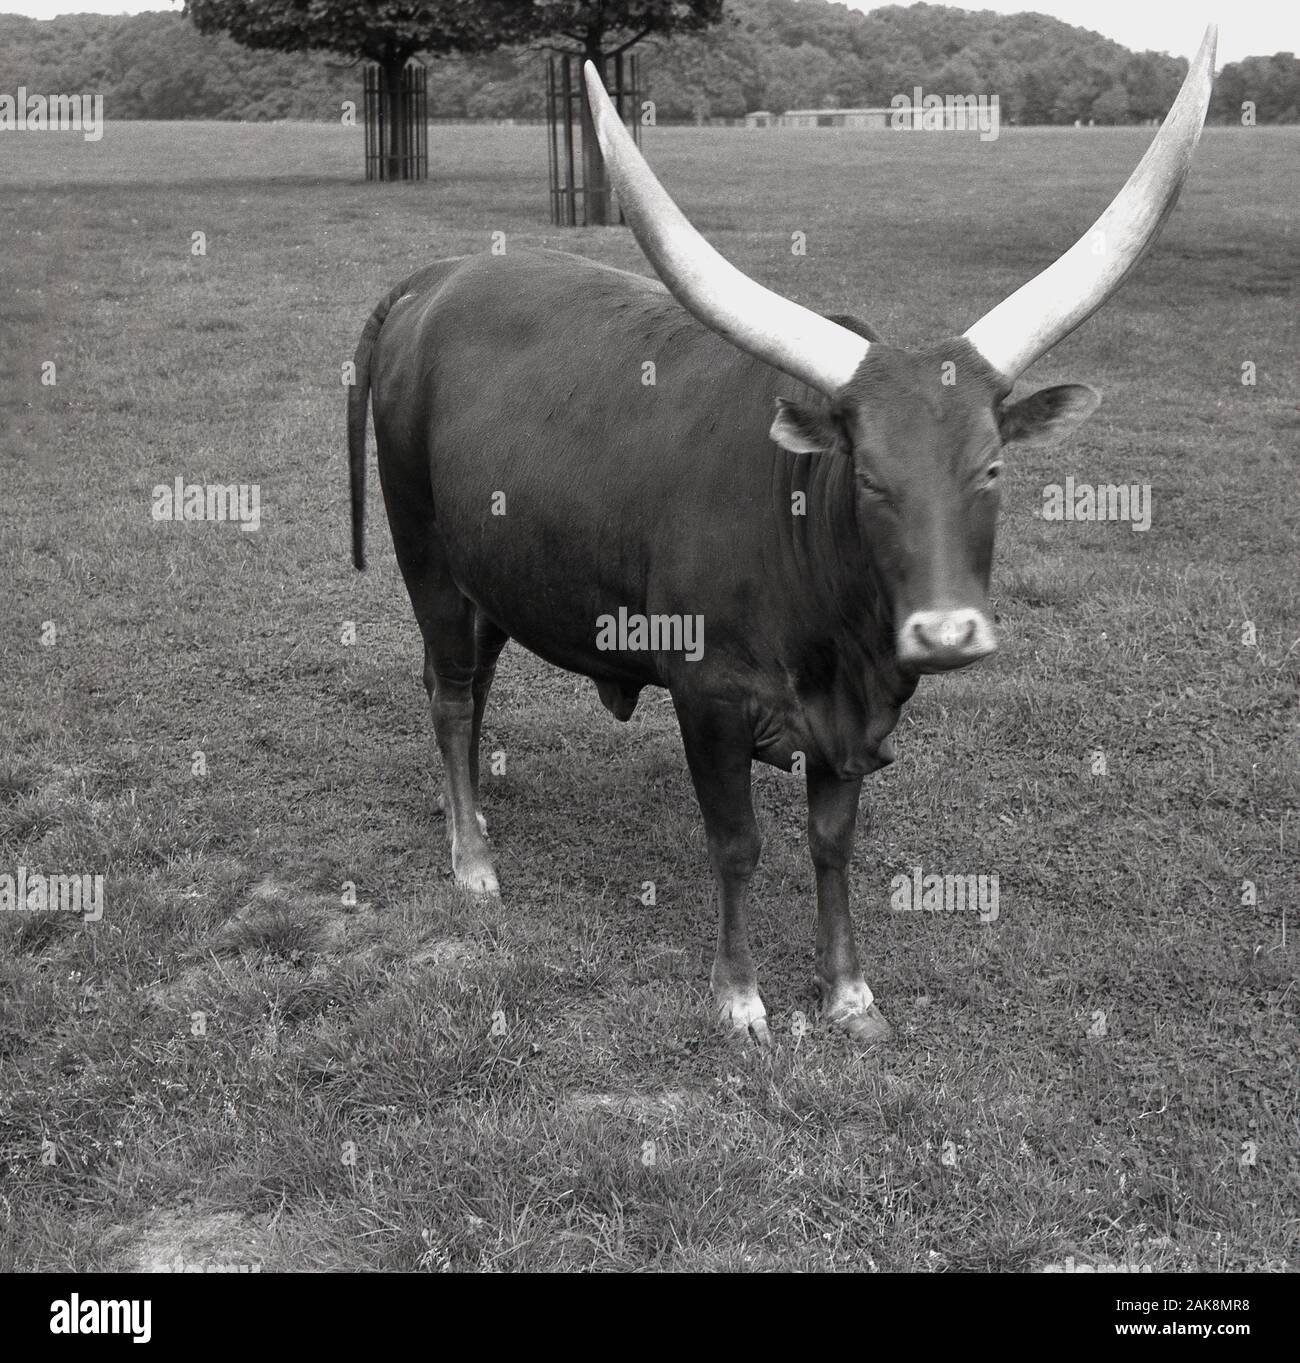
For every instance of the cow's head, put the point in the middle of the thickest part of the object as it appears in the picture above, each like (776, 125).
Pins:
(926, 434)
(925, 430)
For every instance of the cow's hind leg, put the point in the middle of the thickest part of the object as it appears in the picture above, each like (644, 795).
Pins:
(846, 1000)
(450, 668)
(718, 748)
(489, 640)
(447, 621)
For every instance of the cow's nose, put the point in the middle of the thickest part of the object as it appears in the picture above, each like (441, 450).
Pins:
(934, 641)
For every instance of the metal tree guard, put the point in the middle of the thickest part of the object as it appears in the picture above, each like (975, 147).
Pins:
(564, 113)
(397, 151)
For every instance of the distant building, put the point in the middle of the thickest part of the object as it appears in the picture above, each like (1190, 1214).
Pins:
(849, 118)
(834, 118)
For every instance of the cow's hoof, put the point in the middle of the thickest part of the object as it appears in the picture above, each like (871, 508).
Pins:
(742, 1015)
(478, 814)
(850, 1007)
(482, 881)
(868, 1027)
(475, 874)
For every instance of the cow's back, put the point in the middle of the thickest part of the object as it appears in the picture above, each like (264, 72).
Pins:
(587, 444)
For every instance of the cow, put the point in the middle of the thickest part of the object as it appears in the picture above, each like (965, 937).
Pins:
(820, 503)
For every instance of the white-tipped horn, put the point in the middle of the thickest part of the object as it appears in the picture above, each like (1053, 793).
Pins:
(1072, 288)
(793, 338)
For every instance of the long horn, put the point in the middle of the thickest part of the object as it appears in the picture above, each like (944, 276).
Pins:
(793, 338)
(1071, 289)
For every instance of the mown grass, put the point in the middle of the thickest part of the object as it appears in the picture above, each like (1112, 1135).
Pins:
(415, 1080)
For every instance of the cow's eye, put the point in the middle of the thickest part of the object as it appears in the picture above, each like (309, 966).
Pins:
(992, 473)
(874, 490)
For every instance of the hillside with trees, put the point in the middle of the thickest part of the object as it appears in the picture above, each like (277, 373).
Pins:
(766, 54)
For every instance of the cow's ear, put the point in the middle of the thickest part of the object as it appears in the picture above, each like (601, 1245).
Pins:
(802, 429)
(1047, 415)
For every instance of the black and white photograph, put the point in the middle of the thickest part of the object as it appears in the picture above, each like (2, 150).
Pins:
(649, 637)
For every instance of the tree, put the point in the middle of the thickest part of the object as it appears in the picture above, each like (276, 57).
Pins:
(690, 75)
(1075, 98)
(1152, 82)
(1111, 106)
(600, 29)
(387, 32)
(800, 78)
(1270, 84)
(158, 65)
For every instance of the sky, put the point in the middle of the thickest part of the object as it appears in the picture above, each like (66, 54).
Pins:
(1246, 27)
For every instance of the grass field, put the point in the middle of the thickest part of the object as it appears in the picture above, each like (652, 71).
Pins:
(236, 1066)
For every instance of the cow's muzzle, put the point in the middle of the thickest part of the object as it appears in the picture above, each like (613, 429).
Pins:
(937, 641)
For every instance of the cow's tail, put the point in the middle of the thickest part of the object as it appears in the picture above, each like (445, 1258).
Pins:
(358, 401)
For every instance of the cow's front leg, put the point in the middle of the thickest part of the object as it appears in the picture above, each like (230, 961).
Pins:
(718, 748)
(846, 1000)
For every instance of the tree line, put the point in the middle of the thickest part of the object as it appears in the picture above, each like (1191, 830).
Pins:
(763, 54)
